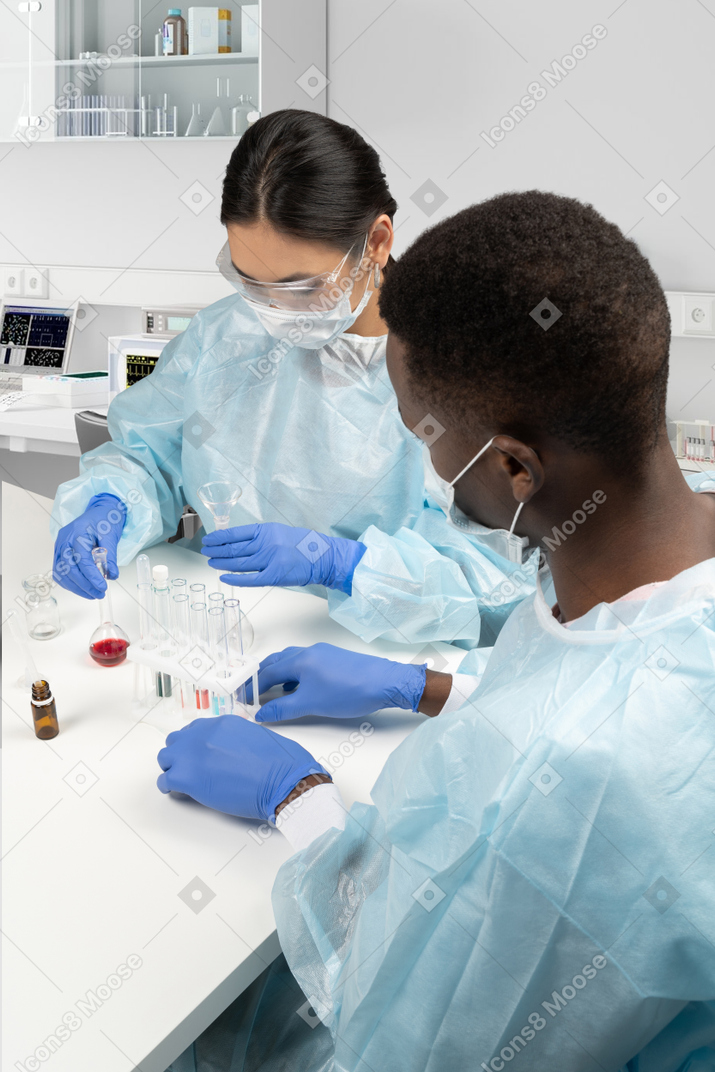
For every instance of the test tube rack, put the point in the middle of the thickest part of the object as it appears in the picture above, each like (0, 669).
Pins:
(695, 441)
(195, 667)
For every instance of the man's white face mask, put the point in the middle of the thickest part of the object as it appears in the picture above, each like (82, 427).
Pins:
(503, 542)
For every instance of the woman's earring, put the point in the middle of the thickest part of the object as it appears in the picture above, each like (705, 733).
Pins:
(377, 277)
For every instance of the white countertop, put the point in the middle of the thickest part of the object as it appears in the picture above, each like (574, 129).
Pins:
(96, 857)
(29, 425)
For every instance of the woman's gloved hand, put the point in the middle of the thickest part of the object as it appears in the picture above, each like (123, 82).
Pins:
(337, 683)
(275, 554)
(232, 765)
(100, 525)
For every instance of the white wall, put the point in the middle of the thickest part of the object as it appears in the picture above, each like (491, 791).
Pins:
(422, 80)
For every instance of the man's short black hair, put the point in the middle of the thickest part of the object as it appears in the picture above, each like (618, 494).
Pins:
(466, 300)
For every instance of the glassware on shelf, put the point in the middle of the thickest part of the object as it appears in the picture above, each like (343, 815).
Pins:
(196, 127)
(43, 614)
(108, 643)
(219, 496)
(239, 115)
(159, 120)
(218, 123)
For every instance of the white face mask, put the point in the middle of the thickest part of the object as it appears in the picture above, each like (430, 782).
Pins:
(313, 329)
(506, 544)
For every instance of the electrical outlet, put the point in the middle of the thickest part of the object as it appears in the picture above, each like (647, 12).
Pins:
(13, 282)
(697, 315)
(37, 284)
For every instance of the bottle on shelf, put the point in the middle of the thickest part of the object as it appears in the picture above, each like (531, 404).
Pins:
(174, 34)
(239, 115)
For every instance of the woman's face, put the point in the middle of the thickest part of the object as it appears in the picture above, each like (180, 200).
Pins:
(261, 253)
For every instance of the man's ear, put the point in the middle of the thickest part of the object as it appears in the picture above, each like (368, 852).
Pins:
(522, 466)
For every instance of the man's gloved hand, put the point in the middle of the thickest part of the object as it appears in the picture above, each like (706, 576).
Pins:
(100, 525)
(232, 765)
(275, 554)
(337, 683)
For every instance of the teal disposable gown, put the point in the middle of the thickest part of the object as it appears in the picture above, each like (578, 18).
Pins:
(314, 439)
(534, 884)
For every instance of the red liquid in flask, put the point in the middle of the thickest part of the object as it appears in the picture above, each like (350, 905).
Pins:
(110, 652)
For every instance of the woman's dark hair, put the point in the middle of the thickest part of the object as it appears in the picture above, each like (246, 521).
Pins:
(309, 177)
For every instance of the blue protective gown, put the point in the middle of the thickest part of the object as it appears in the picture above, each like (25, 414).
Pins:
(534, 884)
(314, 439)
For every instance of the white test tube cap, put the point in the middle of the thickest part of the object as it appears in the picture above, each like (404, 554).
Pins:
(160, 574)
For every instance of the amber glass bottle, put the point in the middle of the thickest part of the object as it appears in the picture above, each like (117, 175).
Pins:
(44, 711)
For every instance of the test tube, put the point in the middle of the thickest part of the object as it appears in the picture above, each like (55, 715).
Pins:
(143, 569)
(200, 638)
(182, 633)
(146, 631)
(142, 678)
(163, 623)
(234, 640)
(219, 650)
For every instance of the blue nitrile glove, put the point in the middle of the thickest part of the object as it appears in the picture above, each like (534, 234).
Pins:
(99, 526)
(275, 554)
(232, 765)
(337, 683)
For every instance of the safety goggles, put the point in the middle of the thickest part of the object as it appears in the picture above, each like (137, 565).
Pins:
(319, 290)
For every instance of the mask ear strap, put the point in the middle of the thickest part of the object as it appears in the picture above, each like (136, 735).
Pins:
(516, 518)
(474, 459)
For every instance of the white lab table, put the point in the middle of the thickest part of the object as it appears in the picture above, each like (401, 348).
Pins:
(38, 446)
(30, 426)
(99, 865)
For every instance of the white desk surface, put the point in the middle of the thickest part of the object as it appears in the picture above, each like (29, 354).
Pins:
(28, 425)
(96, 856)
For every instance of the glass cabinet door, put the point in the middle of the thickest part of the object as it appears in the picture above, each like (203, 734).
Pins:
(137, 69)
(121, 69)
(118, 69)
(27, 69)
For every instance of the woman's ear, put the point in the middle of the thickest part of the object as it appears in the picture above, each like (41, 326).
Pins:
(382, 236)
(522, 466)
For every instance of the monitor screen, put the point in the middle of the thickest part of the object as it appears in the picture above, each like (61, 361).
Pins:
(34, 339)
(177, 323)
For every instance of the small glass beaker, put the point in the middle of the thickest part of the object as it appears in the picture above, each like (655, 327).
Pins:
(43, 614)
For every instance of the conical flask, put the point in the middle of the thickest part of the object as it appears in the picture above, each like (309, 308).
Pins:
(216, 124)
(196, 124)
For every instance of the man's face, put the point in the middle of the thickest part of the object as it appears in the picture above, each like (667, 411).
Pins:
(483, 493)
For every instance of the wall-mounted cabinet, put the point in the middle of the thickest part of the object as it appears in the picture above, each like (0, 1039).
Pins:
(99, 69)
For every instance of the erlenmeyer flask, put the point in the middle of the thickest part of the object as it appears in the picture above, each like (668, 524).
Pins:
(108, 643)
(196, 123)
(216, 124)
(219, 496)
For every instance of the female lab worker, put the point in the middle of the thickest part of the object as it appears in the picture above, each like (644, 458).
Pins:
(531, 886)
(282, 389)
